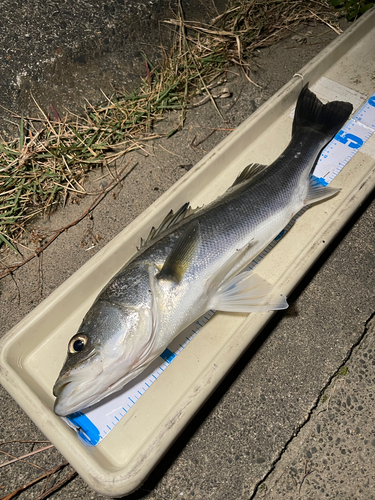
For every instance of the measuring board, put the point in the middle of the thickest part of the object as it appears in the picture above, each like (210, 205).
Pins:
(97, 421)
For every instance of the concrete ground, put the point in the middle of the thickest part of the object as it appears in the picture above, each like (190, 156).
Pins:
(294, 418)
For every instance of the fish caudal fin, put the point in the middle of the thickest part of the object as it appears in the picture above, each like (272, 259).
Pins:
(246, 293)
(325, 118)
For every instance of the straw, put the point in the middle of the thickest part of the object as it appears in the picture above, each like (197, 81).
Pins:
(50, 160)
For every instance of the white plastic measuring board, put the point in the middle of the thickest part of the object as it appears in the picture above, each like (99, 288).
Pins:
(95, 423)
(33, 352)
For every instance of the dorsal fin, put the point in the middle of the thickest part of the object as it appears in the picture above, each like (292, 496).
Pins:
(249, 172)
(169, 220)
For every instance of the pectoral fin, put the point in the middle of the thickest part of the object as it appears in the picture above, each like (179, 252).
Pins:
(246, 293)
(181, 255)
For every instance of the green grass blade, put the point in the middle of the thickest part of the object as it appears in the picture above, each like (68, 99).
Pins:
(8, 243)
(22, 138)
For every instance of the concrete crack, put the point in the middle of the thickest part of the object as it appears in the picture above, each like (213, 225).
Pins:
(314, 406)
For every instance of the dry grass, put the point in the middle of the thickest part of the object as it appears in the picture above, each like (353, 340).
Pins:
(53, 154)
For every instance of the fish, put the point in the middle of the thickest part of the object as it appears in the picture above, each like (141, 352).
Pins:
(194, 262)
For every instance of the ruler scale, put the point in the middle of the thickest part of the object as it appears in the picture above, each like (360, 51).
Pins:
(94, 423)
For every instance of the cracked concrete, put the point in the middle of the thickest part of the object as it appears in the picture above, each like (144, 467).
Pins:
(332, 455)
(341, 372)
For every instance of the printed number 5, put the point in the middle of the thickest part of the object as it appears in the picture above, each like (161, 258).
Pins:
(355, 141)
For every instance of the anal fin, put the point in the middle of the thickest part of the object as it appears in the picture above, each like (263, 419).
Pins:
(318, 191)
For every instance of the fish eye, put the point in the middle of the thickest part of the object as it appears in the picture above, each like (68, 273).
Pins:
(77, 343)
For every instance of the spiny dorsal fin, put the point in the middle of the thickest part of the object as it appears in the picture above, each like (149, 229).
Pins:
(249, 172)
(169, 220)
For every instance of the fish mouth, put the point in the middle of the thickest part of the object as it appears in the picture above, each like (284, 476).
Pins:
(64, 381)
(78, 390)
(73, 395)
(59, 387)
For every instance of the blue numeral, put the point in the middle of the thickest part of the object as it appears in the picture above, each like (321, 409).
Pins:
(344, 137)
(371, 101)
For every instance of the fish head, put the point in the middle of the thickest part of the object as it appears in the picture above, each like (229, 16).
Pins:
(110, 348)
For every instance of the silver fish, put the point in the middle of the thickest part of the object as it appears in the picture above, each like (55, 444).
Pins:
(191, 264)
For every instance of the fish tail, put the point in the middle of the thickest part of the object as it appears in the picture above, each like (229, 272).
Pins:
(325, 118)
